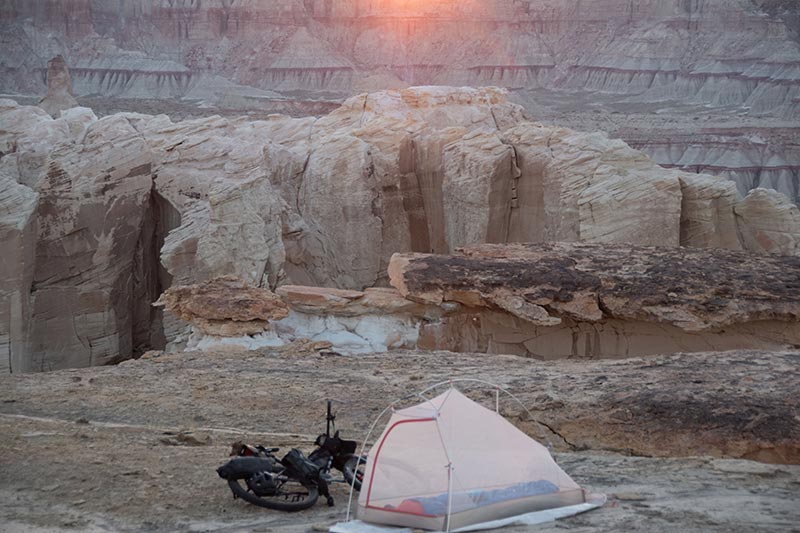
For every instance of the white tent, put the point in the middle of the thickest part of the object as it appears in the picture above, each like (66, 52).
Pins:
(450, 463)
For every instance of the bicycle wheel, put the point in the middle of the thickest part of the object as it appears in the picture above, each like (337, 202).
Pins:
(290, 496)
(354, 467)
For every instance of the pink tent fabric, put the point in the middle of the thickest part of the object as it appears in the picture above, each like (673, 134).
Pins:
(449, 463)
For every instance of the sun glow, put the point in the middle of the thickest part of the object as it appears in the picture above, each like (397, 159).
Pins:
(419, 7)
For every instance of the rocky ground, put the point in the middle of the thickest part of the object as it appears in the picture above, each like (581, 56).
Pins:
(134, 447)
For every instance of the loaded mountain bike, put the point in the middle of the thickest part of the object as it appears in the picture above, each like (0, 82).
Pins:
(294, 482)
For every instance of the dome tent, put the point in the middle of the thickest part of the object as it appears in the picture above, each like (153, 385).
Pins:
(450, 464)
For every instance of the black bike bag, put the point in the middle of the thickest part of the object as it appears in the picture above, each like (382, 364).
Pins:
(335, 445)
(244, 467)
(299, 464)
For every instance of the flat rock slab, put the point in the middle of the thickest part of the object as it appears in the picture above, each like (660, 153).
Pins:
(692, 289)
(742, 404)
(59, 476)
(134, 447)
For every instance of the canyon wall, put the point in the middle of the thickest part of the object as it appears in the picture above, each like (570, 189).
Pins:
(104, 214)
(749, 157)
(712, 52)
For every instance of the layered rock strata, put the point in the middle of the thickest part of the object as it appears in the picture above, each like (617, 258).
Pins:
(224, 306)
(729, 57)
(225, 313)
(582, 300)
(750, 157)
(120, 208)
(718, 52)
(547, 301)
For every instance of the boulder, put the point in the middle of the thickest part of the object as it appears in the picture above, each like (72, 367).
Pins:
(224, 306)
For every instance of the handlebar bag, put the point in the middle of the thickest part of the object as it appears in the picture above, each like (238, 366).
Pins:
(297, 462)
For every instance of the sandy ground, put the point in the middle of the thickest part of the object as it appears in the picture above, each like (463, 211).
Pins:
(134, 447)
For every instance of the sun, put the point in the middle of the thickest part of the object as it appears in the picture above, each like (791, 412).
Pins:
(418, 6)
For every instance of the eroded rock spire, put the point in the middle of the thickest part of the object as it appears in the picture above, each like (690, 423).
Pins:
(59, 88)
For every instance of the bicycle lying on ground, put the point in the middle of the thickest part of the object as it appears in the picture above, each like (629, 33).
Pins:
(294, 482)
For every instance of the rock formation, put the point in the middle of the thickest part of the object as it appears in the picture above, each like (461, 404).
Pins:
(90, 214)
(87, 184)
(751, 157)
(226, 313)
(720, 52)
(582, 300)
(776, 233)
(695, 290)
(547, 301)
(59, 88)
(120, 208)
(224, 306)
(671, 60)
(18, 229)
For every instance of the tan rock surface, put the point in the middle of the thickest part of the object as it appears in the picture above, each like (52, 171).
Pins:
(769, 223)
(479, 178)
(582, 300)
(564, 194)
(398, 170)
(91, 210)
(326, 202)
(224, 305)
(17, 248)
(733, 404)
(378, 300)
(707, 212)
(123, 454)
(694, 290)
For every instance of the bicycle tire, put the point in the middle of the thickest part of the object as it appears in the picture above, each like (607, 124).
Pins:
(353, 463)
(274, 502)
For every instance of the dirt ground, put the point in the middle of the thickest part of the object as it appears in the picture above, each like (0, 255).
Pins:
(134, 447)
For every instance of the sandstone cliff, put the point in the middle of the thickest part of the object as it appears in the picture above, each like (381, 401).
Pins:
(669, 59)
(119, 208)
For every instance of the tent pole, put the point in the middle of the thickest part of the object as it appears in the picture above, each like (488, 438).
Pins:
(533, 419)
(449, 495)
(361, 454)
